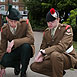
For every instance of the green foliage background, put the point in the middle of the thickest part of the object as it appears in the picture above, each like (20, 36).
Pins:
(72, 21)
(39, 8)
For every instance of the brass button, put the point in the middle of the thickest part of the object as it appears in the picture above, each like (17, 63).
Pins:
(59, 27)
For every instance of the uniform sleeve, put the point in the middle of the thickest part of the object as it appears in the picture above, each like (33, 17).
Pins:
(43, 44)
(63, 44)
(29, 38)
(3, 41)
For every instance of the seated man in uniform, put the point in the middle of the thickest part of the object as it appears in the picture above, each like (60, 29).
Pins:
(17, 43)
(56, 51)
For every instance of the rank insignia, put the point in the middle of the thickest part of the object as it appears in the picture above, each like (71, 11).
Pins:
(68, 30)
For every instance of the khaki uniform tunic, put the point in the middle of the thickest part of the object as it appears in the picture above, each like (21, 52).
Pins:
(23, 34)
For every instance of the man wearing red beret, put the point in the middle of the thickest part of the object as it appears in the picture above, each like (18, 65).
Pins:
(56, 51)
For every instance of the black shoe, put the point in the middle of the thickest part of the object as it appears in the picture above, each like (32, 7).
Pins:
(16, 71)
(64, 72)
(75, 67)
(23, 75)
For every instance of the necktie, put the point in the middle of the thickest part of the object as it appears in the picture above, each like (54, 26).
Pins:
(52, 32)
(14, 30)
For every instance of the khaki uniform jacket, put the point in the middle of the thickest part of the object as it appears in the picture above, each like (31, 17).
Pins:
(61, 41)
(24, 34)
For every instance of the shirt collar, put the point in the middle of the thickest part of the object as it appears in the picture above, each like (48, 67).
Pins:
(11, 28)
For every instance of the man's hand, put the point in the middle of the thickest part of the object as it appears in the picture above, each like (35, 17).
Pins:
(2, 71)
(10, 45)
(8, 50)
(39, 57)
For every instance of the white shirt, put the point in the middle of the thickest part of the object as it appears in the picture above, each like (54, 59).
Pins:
(53, 31)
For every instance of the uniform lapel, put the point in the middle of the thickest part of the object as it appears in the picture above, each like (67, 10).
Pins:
(18, 28)
(9, 33)
(49, 34)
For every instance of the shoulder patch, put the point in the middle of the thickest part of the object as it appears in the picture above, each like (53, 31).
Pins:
(68, 30)
(67, 27)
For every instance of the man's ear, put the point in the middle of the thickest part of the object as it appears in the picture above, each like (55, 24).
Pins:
(58, 19)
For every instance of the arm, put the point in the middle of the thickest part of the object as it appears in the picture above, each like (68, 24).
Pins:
(29, 37)
(40, 56)
(5, 46)
(3, 41)
(43, 44)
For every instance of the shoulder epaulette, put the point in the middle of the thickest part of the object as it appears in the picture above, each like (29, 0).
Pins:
(3, 27)
(46, 29)
(67, 27)
(27, 21)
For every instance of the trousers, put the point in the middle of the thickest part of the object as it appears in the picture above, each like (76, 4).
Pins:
(20, 55)
(54, 65)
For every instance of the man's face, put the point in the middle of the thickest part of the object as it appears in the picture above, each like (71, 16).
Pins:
(12, 23)
(53, 24)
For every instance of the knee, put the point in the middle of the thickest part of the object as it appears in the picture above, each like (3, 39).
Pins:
(55, 56)
(26, 45)
(34, 67)
(27, 49)
(4, 61)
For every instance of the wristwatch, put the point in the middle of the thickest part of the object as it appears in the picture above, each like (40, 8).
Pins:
(42, 53)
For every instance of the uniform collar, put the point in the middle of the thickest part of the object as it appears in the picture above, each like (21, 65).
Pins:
(54, 30)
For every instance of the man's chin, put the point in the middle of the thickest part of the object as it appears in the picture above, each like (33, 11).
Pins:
(13, 26)
(50, 27)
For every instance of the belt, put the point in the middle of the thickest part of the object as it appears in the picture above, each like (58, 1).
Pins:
(70, 49)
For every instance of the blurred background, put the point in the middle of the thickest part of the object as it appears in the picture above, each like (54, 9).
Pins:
(36, 11)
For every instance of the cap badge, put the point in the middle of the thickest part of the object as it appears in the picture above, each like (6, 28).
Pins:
(53, 12)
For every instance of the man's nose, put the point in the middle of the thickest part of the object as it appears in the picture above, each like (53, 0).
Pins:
(13, 22)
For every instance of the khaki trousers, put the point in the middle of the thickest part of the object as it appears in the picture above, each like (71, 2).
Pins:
(53, 66)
